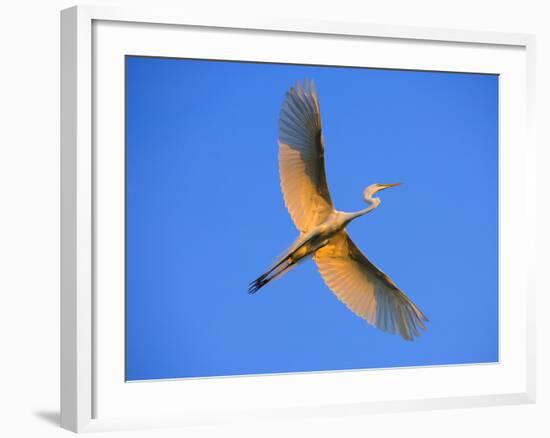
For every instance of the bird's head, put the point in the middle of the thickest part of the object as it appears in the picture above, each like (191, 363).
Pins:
(371, 190)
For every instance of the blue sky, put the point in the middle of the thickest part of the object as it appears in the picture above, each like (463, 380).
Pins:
(205, 216)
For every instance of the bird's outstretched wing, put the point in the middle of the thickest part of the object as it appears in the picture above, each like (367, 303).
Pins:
(365, 290)
(302, 158)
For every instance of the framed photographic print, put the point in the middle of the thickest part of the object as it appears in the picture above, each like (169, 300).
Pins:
(272, 219)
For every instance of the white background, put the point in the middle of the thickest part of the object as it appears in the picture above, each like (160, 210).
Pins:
(29, 217)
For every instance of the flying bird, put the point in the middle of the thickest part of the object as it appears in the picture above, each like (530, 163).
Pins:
(360, 285)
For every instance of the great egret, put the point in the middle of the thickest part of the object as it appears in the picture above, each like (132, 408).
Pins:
(360, 285)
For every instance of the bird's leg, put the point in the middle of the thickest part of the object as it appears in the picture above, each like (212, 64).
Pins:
(270, 270)
(290, 254)
(273, 273)
(297, 253)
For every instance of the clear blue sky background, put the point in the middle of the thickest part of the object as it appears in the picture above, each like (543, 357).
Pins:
(205, 216)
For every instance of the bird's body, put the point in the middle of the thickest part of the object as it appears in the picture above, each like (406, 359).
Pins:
(366, 290)
(308, 243)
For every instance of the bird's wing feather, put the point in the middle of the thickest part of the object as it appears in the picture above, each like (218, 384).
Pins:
(365, 289)
(301, 158)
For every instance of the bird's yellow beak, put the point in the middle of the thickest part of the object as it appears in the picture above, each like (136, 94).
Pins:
(387, 186)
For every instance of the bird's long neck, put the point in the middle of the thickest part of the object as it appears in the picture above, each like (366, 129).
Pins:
(373, 203)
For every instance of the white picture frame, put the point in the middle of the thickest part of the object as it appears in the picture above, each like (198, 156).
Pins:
(93, 39)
